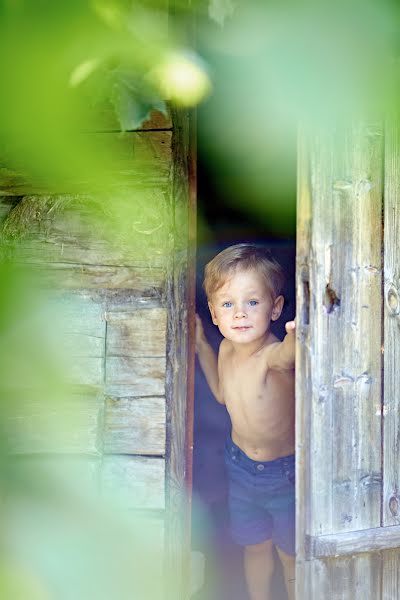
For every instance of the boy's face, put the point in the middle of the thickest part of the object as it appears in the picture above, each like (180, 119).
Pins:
(243, 307)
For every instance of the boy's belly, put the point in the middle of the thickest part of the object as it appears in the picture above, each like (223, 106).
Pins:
(264, 449)
(265, 435)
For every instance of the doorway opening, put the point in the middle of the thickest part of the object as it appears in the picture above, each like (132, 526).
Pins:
(224, 220)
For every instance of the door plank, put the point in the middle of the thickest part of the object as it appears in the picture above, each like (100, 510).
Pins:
(345, 317)
(338, 361)
(391, 575)
(344, 578)
(303, 364)
(391, 406)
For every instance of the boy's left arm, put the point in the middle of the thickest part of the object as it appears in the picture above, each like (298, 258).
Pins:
(281, 355)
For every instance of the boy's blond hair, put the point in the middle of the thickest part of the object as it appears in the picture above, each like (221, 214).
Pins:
(243, 256)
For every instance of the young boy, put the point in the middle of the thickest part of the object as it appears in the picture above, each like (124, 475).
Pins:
(254, 377)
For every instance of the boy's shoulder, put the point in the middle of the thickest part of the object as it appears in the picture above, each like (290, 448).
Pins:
(224, 347)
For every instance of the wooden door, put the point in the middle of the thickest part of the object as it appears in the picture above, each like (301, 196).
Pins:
(348, 307)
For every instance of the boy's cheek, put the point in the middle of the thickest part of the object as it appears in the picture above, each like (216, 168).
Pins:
(213, 314)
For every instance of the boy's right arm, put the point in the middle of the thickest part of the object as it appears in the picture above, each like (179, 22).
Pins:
(208, 360)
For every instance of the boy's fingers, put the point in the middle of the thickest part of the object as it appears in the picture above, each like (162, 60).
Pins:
(290, 326)
(199, 325)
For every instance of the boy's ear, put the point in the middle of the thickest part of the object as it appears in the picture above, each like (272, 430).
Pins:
(213, 315)
(277, 308)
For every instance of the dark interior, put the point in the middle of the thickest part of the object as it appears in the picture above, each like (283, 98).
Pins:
(220, 225)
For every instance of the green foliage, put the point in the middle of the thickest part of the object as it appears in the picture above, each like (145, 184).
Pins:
(69, 61)
(132, 99)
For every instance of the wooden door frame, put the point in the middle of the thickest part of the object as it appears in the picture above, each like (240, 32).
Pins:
(181, 295)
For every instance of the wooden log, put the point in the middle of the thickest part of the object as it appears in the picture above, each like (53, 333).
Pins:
(129, 300)
(65, 424)
(121, 228)
(142, 333)
(116, 287)
(142, 158)
(391, 342)
(134, 426)
(135, 376)
(135, 353)
(82, 331)
(134, 481)
(7, 203)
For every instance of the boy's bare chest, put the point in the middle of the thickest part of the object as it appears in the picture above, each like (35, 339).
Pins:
(243, 380)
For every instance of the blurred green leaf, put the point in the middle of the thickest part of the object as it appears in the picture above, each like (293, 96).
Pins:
(132, 99)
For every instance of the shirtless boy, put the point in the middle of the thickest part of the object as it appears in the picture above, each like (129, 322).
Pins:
(253, 377)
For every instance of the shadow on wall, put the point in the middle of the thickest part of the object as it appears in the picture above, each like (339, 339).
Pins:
(224, 578)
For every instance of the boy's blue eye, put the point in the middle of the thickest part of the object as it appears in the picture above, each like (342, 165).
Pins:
(253, 302)
(227, 304)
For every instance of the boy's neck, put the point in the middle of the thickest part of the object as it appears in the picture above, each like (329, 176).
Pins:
(246, 350)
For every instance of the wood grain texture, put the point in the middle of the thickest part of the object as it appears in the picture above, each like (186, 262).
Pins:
(391, 405)
(122, 228)
(303, 362)
(338, 372)
(135, 353)
(134, 426)
(304, 366)
(134, 481)
(177, 540)
(143, 333)
(64, 418)
(345, 578)
(110, 250)
(120, 288)
(390, 575)
(135, 376)
(7, 203)
(345, 318)
(81, 329)
(353, 542)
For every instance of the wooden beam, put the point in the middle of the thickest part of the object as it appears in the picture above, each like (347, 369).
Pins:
(353, 542)
(142, 158)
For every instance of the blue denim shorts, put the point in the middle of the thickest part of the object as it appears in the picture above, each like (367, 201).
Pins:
(261, 499)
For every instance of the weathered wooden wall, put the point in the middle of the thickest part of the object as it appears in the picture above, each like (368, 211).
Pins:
(347, 406)
(123, 307)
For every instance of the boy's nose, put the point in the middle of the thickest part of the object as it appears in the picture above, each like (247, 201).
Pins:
(240, 313)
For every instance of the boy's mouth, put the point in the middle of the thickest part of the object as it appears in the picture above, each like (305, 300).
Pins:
(242, 327)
